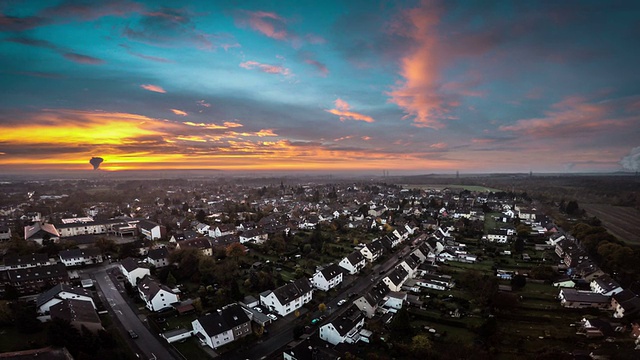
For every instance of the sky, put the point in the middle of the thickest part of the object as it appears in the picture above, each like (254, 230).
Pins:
(371, 86)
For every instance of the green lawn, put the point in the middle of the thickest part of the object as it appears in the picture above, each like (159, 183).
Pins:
(13, 340)
(191, 349)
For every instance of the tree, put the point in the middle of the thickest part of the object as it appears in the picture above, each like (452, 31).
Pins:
(201, 216)
(171, 280)
(401, 325)
(518, 282)
(572, 208)
(322, 307)
(421, 345)
(236, 250)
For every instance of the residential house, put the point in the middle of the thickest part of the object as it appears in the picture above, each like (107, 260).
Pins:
(81, 314)
(79, 257)
(158, 257)
(201, 243)
(312, 348)
(369, 302)
(222, 327)
(343, 329)
(156, 296)
(222, 230)
(287, 298)
(410, 265)
(41, 232)
(61, 292)
(605, 285)
(395, 300)
(203, 228)
(625, 304)
(133, 271)
(500, 236)
(353, 262)
(5, 232)
(396, 278)
(327, 278)
(255, 236)
(35, 279)
(578, 299)
(372, 251)
(26, 261)
(151, 230)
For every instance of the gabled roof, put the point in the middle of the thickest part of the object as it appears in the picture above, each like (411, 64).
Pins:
(12, 260)
(606, 283)
(129, 264)
(355, 257)
(150, 287)
(147, 225)
(30, 231)
(159, 253)
(376, 247)
(398, 275)
(223, 320)
(54, 291)
(377, 293)
(349, 320)
(331, 271)
(79, 253)
(38, 272)
(292, 290)
(75, 311)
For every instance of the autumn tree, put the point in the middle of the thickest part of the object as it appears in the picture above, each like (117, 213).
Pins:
(236, 250)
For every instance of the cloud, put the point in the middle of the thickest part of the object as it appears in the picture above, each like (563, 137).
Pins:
(632, 160)
(418, 94)
(343, 111)
(274, 26)
(203, 103)
(154, 88)
(309, 58)
(69, 55)
(17, 24)
(145, 57)
(179, 112)
(82, 59)
(91, 10)
(266, 68)
(572, 116)
(439, 145)
(174, 27)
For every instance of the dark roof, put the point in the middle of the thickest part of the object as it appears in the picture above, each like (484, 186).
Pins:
(54, 291)
(147, 225)
(293, 290)
(223, 320)
(398, 275)
(129, 264)
(355, 257)
(157, 254)
(197, 243)
(47, 353)
(12, 260)
(75, 311)
(149, 287)
(38, 272)
(377, 293)
(77, 253)
(376, 247)
(331, 271)
(349, 319)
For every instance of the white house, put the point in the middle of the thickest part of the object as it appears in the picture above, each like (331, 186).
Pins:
(605, 285)
(151, 230)
(396, 278)
(287, 298)
(132, 271)
(61, 292)
(255, 236)
(158, 257)
(327, 278)
(369, 302)
(353, 262)
(78, 257)
(344, 329)
(222, 230)
(395, 300)
(222, 327)
(372, 251)
(410, 265)
(500, 236)
(156, 295)
(39, 232)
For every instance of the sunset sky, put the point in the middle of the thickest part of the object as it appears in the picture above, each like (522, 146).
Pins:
(403, 86)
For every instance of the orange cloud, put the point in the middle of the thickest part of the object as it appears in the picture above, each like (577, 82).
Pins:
(266, 68)
(179, 112)
(439, 145)
(343, 111)
(418, 94)
(231, 124)
(268, 23)
(154, 88)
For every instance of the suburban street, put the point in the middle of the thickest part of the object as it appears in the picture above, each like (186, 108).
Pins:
(149, 347)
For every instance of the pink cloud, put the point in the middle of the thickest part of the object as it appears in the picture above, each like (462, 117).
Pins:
(343, 111)
(179, 112)
(418, 93)
(154, 88)
(268, 23)
(439, 145)
(266, 68)
(570, 116)
(82, 59)
(322, 68)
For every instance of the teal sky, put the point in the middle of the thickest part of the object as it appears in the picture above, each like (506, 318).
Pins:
(406, 86)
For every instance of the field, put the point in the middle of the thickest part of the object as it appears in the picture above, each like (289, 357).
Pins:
(620, 221)
(475, 188)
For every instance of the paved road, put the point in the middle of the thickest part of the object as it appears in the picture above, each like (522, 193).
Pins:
(149, 346)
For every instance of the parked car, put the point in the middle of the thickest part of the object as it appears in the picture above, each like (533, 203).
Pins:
(257, 309)
(272, 317)
(341, 302)
(132, 334)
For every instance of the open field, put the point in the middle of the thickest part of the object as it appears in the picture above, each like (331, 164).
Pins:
(449, 186)
(621, 221)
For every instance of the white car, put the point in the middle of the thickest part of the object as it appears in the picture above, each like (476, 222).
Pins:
(341, 302)
(272, 317)
(257, 309)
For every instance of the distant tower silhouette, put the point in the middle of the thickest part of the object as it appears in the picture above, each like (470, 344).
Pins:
(457, 174)
(530, 173)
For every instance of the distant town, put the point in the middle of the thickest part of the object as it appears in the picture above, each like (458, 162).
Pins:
(283, 268)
